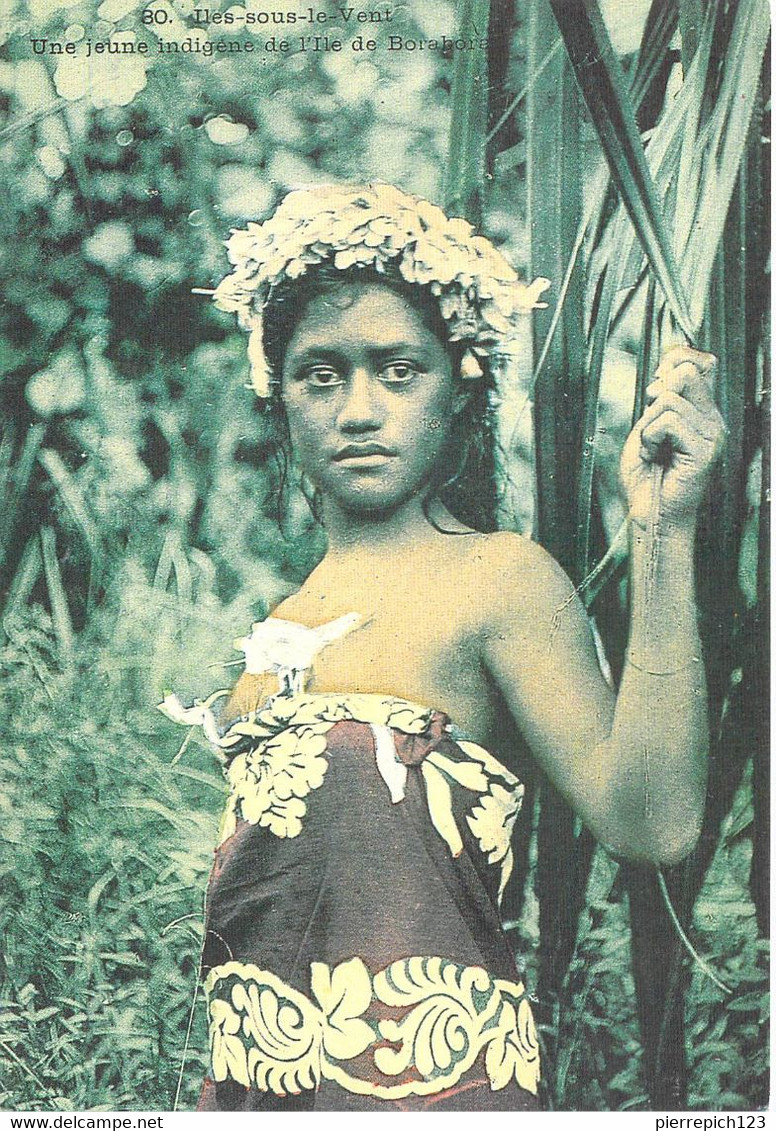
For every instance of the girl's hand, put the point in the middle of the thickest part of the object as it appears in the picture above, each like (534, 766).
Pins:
(680, 431)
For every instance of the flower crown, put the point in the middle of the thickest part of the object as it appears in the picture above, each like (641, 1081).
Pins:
(479, 293)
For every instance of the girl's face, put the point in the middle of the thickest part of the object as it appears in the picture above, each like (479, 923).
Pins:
(370, 396)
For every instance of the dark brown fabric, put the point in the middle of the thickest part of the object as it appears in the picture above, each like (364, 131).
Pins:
(368, 878)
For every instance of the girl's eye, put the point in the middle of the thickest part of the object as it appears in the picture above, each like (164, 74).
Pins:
(398, 372)
(323, 377)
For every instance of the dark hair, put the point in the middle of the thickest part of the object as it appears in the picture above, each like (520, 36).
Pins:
(464, 483)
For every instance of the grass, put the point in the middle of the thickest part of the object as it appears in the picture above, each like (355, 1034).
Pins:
(106, 853)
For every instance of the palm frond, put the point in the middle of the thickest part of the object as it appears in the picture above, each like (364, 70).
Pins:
(601, 81)
(468, 123)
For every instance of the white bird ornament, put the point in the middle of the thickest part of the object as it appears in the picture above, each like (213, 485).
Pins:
(289, 649)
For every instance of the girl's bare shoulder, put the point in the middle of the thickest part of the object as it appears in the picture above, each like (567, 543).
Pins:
(515, 577)
(515, 558)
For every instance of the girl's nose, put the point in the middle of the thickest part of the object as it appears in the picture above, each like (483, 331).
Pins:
(361, 409)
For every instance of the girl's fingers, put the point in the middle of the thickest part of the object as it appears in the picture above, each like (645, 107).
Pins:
(703, 362)
(707, 425)
(688, 372)
(683, 437)
(679, 377)
(686, 380)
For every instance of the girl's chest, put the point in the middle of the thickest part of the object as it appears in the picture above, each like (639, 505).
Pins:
(417, 645)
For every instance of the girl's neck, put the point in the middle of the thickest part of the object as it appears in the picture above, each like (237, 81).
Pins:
(409, 526)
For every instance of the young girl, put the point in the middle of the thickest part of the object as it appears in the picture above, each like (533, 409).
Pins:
(354, 954)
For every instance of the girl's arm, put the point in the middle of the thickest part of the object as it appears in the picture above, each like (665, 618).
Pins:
(635, 767)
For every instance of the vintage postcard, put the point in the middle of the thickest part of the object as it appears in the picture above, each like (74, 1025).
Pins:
(384, 477)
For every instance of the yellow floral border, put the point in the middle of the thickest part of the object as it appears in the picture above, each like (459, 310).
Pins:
(266, 1034)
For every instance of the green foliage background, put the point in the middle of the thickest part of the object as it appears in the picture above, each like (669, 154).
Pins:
(140, 535)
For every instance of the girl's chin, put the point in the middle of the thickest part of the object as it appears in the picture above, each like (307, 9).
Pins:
(370, 500)
(370, 507)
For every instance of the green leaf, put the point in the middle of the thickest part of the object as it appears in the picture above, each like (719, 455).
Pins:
(468, 123)
(601, 81)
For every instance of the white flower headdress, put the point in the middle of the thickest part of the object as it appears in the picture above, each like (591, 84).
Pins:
(479, 293)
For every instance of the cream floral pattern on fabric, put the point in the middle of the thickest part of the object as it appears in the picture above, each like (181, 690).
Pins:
(287, 759)
(270, 781)
(266, 1034)
(493, 819)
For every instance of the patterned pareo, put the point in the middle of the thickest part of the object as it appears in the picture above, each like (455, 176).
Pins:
(354, 957)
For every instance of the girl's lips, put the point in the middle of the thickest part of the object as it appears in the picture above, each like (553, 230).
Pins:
(365, 462)
(369, 454)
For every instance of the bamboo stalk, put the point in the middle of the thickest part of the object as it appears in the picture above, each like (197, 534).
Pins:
(555, 213)
(660, 999)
